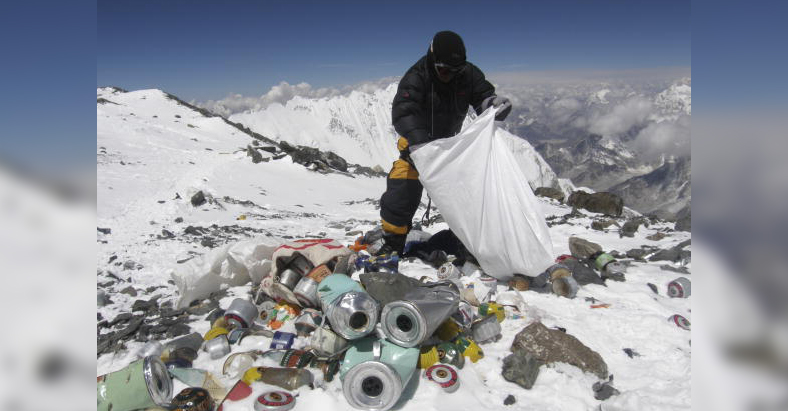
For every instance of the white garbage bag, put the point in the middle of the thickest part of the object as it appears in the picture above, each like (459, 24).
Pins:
(483, 195)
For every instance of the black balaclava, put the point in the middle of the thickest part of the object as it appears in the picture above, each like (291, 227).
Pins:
(447, 47)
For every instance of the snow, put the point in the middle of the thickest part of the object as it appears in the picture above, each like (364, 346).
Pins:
(163, 155)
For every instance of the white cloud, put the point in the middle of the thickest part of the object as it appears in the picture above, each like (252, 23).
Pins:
(670, 138)
(623, 117)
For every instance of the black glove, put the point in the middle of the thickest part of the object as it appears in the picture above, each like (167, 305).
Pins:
(501, 104)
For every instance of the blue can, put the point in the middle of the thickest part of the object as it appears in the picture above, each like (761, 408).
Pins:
(282, 340)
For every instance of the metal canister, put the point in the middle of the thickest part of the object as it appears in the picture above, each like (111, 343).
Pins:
(489, 281)
(282, 340)
(565, 287)
(445, 376)
(241, 313)
(288, 278)
(351, 311)
(215, 332)
(602, 260)
(449, 271)
(410, 321)
(151, 348)
(428, 356)
(448, 330)
(300, 264)
(274, 401)
(680, 322)
(680, 288)
(558, 271)
(142, 384)
(236, 335)
(192, 399)
(326, 342)
(374, 373)
(296, 359)
(486, 329)
(217, 347)
(306, 289)
(307, 322)
(450, 354)
(469, 348)
(265, 310)
(286, 378)
(486, 309)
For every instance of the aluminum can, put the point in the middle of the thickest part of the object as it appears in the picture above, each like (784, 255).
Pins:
(307, 322)
(274, 401)
(326, 342)
(410, 321)
(142, 384)
(486, 309)
(565, 287)
(306, 289)
(445, 376)
(282, 340)
(288, 278)
(241, 313)
(217, 347)
(680, 322)
(351, 311)
(680, 288)
(448, 353)
(486, 329)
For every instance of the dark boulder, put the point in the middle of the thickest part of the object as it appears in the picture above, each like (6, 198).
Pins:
(602, 202)
(550, 192)
(552, 346)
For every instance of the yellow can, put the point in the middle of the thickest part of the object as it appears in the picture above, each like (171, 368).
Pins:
(448, 330)
(215, 332)
(469, 348)
(428, 356)
(492, 308)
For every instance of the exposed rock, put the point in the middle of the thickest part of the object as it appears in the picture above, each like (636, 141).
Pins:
(142, 305)
(681, 270)
(131, 265)
(509, 400)
(555, 346)
(630, 227)
(521, 368)
(653, 288)
(198, 199)
(684, 220)
(604, 390)
(582, 272)
(179, 219)
(631, 353)
(178, 329)
(130, 291)
(656, 236)
(104, 230)
(672, 254)
(602, 202)
(581, 248)
(550, 192)
(637, 253)
(252, 152)
(601, 225)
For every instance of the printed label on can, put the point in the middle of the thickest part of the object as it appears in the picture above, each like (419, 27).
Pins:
(319, 273)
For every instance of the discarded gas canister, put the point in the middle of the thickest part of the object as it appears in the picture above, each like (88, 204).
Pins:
(450, 354)
(410, 321)
(374, 373)
(557, 271)
(308, 321)
(153, 348)
(469, 348)
(428, 356)
(351, 311)
(486, 309)
(326, 342)
(192, 399)
(445, 376)
(489, 281)
(215, 332)
(449, 271)
(282, 340)
(217, 347)
(448, 330)
(680, 321)
(274, 401)
(306, 289)
(265, 310)
(296, 358)
(142, 384)
(565, 287)
(602, 260)
(680, 288)
(486, 329)
(286, 378)
(236, 335)
(241, 313)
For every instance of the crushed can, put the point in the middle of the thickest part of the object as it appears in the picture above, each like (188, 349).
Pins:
(469, 348)
(142, 384)
(558, 271)
(308, 321)
(192, 399)
(448, 353)
(236, 335)
(274, 401)
(445, 376)
(217, 347)
(486, 309)
(326, 342)
(603, 260)
(285, 378)
(487, 329)
(282, 340)
(306, 289)
(449, 271)
(680, 288)
(241, 313)
(410, 321)
(565, 287)
(680, 322)
(351, 311)
(374, 373)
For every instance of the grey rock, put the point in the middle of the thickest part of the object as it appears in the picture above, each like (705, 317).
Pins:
(601, 202)
(582, 272)
(509, 400)
(653, 288)
(120, 318)
(521, 368)
(681, 270)
(166, 234)
(601, 225)
(252, 152)
(684, 219)
(130, 329)
(142, 305)
(631, 353)
(630, 227)
(656, 236)
(637, 253)
(104, 230)
(581, 248)
(178, 329)
(179, 219)
(129, 291)
(550, 192)
(604, 390)
(131, 265)
(552, 346)
(198, 199)
(671, 254)
(203, 307)
(208, 242)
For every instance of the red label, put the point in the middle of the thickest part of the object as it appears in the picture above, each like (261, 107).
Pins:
(311, 243)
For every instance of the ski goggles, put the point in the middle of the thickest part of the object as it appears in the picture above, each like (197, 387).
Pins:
(445, 69)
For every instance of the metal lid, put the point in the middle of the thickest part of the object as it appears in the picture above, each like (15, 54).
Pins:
(372, 386)
(403, 324)
(158, 380)
(274, 401)
(353, 314)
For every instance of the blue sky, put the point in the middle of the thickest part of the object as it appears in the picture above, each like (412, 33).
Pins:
(206, 49)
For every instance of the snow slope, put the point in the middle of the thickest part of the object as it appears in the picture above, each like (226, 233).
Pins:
(146, 154)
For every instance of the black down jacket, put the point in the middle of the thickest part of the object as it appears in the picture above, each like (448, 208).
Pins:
(425, 108)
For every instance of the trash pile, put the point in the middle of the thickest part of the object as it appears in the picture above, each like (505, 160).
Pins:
(374, 333)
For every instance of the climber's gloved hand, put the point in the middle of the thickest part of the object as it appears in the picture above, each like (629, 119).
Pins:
(502, 106)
